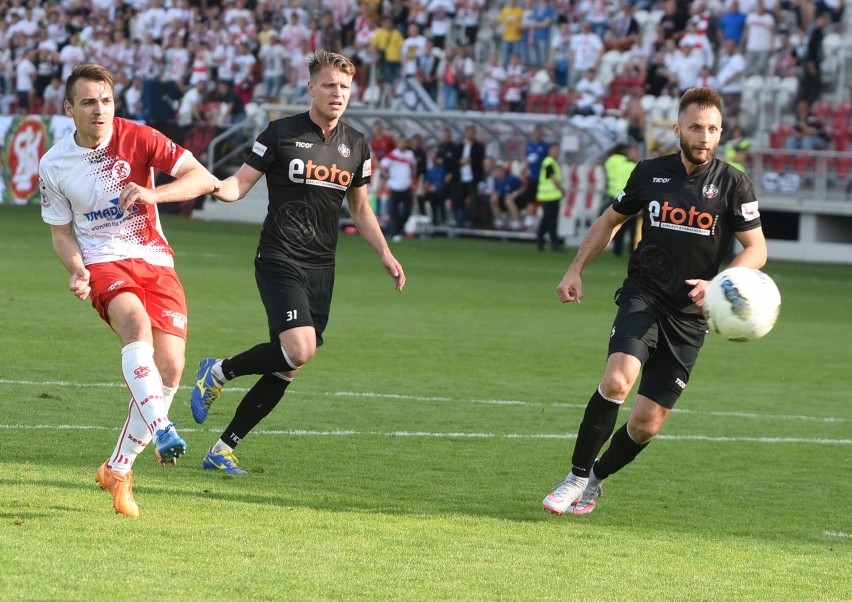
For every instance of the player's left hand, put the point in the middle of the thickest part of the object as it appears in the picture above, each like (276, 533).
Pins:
(134, 194)
(699, 289)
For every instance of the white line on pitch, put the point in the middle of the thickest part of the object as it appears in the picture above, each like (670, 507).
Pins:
(839, 534)
(423, 398)
(433, 435)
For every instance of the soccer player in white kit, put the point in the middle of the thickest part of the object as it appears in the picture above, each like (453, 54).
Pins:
(117, 255)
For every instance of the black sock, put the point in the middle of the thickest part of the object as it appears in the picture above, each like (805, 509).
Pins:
(596, 427)
(621, 452)
(265, 358)
(255, 406)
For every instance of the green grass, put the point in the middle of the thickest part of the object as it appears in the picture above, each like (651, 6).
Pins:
(410, 457)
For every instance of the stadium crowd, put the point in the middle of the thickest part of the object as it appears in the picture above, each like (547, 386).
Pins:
(201, 61)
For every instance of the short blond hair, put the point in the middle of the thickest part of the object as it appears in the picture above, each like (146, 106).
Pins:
(323, 59)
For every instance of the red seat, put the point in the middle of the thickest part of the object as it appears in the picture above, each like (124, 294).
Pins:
(778, 136)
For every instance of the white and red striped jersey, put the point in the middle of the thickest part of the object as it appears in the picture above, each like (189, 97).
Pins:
(81, 186)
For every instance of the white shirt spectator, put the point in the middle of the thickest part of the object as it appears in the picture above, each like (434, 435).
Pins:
(70, 56)
(413, 50)
(154, 19)
(25, 74)
(685, 64)
(590, 94)
(730, 73)
(399, 165)
(586, 48)
(760, 32)
(274, 57)
(294, 33)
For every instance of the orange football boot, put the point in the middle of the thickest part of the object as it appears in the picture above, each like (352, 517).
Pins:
(121, 488)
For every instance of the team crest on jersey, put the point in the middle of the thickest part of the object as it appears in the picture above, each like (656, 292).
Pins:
(710, 191)
(120, 170)
(344, 151)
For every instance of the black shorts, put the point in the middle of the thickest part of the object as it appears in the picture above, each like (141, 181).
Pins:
(667, 345)
(294, 296)
(527, 197)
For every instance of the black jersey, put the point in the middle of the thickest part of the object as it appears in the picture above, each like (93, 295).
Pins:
(687, 224)
(307, 177)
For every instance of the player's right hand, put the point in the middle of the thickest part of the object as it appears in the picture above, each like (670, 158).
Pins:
(79, 283)
(570, 288)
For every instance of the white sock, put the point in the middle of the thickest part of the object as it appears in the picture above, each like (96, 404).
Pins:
(143, 380)
(216, 370)
(221, 446)
(135, 435)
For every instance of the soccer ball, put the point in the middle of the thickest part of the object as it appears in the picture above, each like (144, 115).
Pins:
(742, 304)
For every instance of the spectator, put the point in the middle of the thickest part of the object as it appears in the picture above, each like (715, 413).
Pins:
(468, 13)
(380, 143)
(25, 76)
(491, 87)
(785, 61)
(625, 29)
(560, 56)
(413, 51)
(231, 108)
(295, 32)
(244, 72)
(810, 86)
(730, 73)
(439, 24)
(685, 64)
(434, 190)
(505, 188)
(53, 98)
(700, 44)
(590, 94)
(449, 151)
(133, 100)
(328, 36)
(808, 131)
(191, 108)
(428, 70)
(515, 87)
(510, 19)
(70, 56)
(731, 24)
(544, 17)
(586, 51)
(388, 42)
(706, 79)
(633, 113)
(273, 57)
(471, 172)
(399, 167)
(759, 40)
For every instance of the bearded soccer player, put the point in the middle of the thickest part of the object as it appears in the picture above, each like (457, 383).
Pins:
(312, 161)
(97, 198)
(691, 204)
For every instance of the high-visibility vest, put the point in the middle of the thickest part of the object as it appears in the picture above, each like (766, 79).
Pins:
(547, 190)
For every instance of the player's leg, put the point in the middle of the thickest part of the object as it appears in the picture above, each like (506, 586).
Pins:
(289, 302)
(632, 336)
(664, 378)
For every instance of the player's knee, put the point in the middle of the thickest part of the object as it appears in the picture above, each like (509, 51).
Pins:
(616, 385)
(298, 355)
(642, 431)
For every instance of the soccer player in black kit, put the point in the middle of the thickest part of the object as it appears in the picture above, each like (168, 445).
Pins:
(692, 204)
(311, 161)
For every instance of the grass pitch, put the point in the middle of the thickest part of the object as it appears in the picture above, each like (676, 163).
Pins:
(410, 457)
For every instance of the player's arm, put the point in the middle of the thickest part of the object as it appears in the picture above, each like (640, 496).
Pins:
(754, 253)
(570, 288)
(68, 250)
(369, 229)
(191, 181)
(235, 187)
